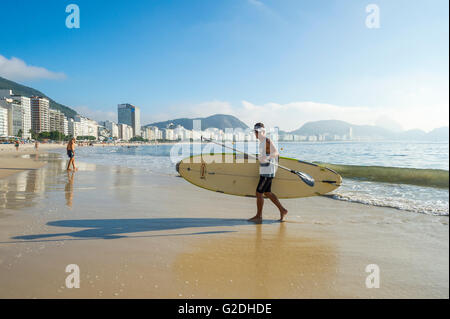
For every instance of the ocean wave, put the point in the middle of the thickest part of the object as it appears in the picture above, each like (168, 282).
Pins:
(396, 175)
(435, 208)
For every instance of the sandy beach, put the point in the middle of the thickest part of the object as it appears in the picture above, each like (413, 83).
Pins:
(137, 234)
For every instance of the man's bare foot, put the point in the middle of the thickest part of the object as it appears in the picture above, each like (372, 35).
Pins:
(68, 169)
(256, 218)
(283, 213)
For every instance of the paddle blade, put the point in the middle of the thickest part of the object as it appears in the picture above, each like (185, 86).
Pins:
(305, 177)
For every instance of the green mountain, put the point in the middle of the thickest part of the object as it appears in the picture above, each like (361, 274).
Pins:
(20, 89)
(220, 121)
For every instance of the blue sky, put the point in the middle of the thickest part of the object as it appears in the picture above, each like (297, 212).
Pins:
(283, 62)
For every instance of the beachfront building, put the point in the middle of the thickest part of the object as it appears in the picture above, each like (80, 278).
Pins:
(168, 134)
(300, 138)
(196, 135)
(103, 132)
(74, 128)
(287, 137)
(130, 115)
(40, 114)
(66, 126)
(3, 121)
(112, 127)
(151, 133)
(125, 132)
(56, 121)
(180, 133)
(85, 126)
(82, 125)
(14, 116)
(92, 128)
(25, 104)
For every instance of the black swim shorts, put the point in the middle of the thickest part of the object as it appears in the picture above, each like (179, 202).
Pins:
(264, 184)
(70, 153)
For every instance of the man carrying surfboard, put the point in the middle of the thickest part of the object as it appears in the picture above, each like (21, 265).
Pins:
(268, 155)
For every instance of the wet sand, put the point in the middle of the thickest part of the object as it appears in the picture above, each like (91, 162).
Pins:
(12, 163)
(136, 234)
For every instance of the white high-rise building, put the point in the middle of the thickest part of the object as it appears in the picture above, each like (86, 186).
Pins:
(125, 132)
(113, 128)
(86, 127)
(151, 133)
(66, 126)
(14, 116)
(82, 125)
(3, 121)
(168, 134)
(92, 128)
(74, 128)
(25, 103)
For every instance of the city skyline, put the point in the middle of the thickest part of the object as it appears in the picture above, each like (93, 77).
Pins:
(42, 118)
(16, 115)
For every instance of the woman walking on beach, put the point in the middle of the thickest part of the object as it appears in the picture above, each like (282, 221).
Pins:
(71, 154)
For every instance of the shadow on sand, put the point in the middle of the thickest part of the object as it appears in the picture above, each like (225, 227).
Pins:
(112, 228)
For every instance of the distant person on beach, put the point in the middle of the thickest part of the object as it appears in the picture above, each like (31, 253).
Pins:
(36, 145)
(71, 154)
(268, 154)
(16, 144)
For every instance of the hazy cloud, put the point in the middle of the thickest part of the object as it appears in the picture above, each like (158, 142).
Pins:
(17, 69)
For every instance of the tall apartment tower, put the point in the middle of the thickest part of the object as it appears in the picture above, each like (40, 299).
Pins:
(40, 121)
(130, 115)
(56, 120)
(25, 104)
(3, 121)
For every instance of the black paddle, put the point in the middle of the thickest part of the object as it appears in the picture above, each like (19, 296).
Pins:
(308, 180)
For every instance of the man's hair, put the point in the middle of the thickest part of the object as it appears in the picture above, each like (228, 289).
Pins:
(258, 125)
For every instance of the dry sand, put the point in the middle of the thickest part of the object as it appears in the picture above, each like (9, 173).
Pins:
(135, 234)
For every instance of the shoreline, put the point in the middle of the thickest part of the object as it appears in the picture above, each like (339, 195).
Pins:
(169, 239)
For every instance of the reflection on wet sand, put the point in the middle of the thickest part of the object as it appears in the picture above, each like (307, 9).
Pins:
(20, 190)
(68, 189)
(270, 263)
